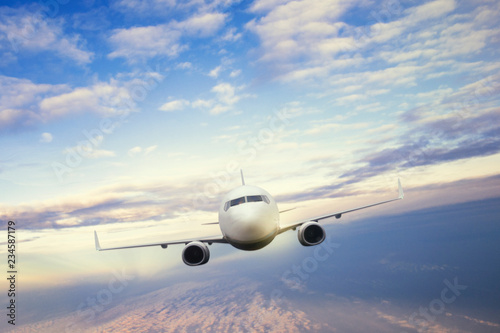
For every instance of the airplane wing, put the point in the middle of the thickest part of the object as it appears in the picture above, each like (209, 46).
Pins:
(208, 240)
(340, 213)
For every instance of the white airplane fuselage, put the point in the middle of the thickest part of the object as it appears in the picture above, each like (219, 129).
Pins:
(249, 217)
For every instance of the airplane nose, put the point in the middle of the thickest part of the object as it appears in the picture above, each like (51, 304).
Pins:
(254, 228)
(251, 228)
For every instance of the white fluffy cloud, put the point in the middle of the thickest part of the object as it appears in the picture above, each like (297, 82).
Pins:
(293, 29)
(304, 40)
(18, 98)
(29, 30)
(225, 98)
(145, 42)
(215, 72)
(139, 43)
(102, 98)
(24, 103)
(175, 105)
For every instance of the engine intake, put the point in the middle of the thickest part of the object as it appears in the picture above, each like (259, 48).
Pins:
(311, 233)
(195, 254)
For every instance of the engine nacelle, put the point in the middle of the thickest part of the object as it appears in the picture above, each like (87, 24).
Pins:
(195, 254)
(311, 233)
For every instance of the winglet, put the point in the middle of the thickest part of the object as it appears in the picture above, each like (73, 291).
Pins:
(401, 193)
(242, 179)
(97, 245)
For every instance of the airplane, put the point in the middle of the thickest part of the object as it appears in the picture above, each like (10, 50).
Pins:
(249, 219)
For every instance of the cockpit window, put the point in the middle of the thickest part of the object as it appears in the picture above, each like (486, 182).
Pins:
(238, 201)
(266, 199)
(254, 198)
(242, 200)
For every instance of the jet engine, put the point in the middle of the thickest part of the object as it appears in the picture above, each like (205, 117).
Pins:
(195, 253)
(311, 233)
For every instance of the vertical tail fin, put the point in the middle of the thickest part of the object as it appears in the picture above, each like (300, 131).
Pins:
(242, 179)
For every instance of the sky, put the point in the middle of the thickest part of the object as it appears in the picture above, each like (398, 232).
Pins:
(133, 118)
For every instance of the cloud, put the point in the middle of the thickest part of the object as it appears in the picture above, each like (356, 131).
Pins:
(223, 304)
(24, 104)
(17, 100)
(145, 42)
(134, 151)
(235, 73)
(154, 7)
(430, 10)
(18, 93)
(92, 20)
(170, 8)
(330, 127)
(231, 35)
(461, 36)
(184, 65)
(11, 120)
(88, 151)
(202, 103)
(226, 93)
(201, 25)
(266, 5)
(291, 30)
(140, 43)
(150, 149)
(46, 137)
(483, 322)
(175, 105)
(350, 99)
(30, 30)
(226, 97)
(96, 98)
(437, 141)
(137, 150)
(126, 202)
(99, 153)
(103, 98)
(303, 40)
(215, 72)
(448, 125)
(455, 125)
